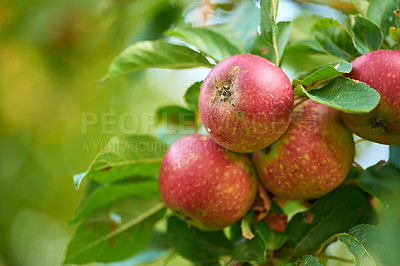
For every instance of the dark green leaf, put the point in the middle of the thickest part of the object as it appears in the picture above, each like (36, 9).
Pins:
(269, 10)
(369, 215)
(208, 42)
(367, 36)
(155, 54)
(174, 123)
(251, 250)
(273, 240)
(381, 13)
(333, 213)
(323, 74)
(282, 36)
(156, 250)
(381, 181)
(346, 95)
(105, 195)
(115, 233)
(244, 22)
(394, 155)
(127, 156)
(309, 260)
(197, 245)
(364, 241)
(334, 38)
(192, 96)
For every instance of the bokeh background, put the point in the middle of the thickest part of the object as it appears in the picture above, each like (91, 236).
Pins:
(55, 115)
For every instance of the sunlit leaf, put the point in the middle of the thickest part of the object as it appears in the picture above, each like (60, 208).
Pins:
(367, 36)
(115, 233)
(334, 38)
(208, 42)
(191, 96)
(155, 54)
(105, 195)
(269, 10)
(346, 95)
(323, 74)
(127, 156)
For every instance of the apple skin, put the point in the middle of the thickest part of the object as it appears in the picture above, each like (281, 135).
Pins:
(381, 70)
(245, 103)
(206, 185)
(311, 159)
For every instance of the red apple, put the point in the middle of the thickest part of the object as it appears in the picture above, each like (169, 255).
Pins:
(205, 184)
(311, 158)
(245, 103)
(381, 70)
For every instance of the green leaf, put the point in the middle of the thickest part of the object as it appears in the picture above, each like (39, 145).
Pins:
(244, 22)
(381, 181)
(197, 245)
(127, 156)
(157, 249)
(246, 225)
(273, 240)
(191, 96)
(264, 49)
(305, 46)
(323, 74)
(394, 155)
(361, 6)
(282, 36)
(334, 38)
(367, 36)
(174, 123)
(333, 213)
(269, 9)
(381, 13)
(155, 54)
(364, 241)
(208, 42)
(115, 233)
(105, 195)
(309, 260)
(346, 95)
(251, 250)
(395, 34)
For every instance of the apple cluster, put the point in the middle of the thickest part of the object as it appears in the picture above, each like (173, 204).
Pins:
(256, 137)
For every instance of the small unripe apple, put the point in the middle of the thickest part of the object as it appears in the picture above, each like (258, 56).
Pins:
(205, 184)
(311, 158)
(381, 70)
(245, 103)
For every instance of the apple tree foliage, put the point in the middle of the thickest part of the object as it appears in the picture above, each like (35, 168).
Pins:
(122, 218)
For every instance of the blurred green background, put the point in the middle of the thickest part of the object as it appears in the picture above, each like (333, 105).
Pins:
(52, 53)
(55, 116)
